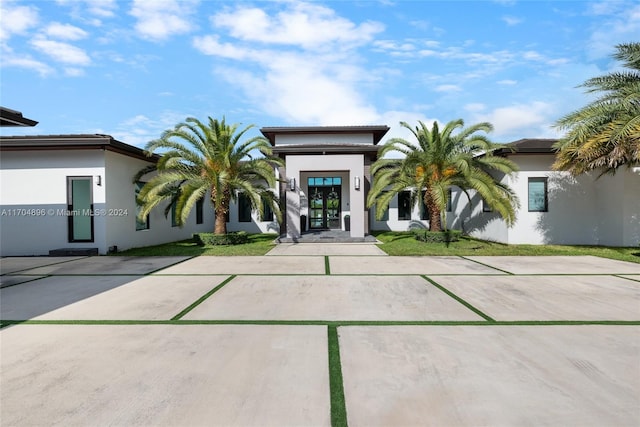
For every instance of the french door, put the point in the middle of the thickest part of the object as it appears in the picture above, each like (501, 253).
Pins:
(325, 203)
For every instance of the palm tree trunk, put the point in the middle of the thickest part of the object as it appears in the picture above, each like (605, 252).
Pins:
(434, 212)
(221, 222)
(222, 209)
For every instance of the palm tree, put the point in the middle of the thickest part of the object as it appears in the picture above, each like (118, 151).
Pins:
(203, 157)
(605, 134)
(440, 160)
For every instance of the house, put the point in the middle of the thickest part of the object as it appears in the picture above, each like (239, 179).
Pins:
(75, 192)
(557, 208)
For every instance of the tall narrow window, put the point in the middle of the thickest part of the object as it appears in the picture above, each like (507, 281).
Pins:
(404, 205)
(200, 211)
(448, 207)
(424, 210)
(538, 194)
(267, 212)
(144, 224)
(486, 207)
(80, 208)
(244, 208)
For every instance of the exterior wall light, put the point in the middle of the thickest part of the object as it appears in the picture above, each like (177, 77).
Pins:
(291, 184)
(356, 182)
(99, 180)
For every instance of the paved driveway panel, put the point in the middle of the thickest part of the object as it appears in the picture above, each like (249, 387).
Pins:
(330, 298)
(549, 297)
(407, 265)
(326, 249)
(32, 299)
(163, 375)
(249, 265)
(18, 263)
(146, 298)
(559, 264)
(491, 376)
(109, 265)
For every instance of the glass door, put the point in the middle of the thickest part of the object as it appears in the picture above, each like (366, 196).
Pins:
(325, 202)
(80, 208)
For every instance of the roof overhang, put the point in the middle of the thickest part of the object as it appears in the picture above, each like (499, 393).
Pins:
(528, 146)
(378, 131)
(370, 151)
(10, 117)
(73, 142)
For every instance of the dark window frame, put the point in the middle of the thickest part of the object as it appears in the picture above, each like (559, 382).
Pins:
(402, 196)
(200, 210)
(545, 181)
(70, 216)
(244, 208)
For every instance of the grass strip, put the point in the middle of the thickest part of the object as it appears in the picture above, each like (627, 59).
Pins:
(338, 406)
(460, 300)
(487, 265)
(329, 323)
(202, 298)
(327, 267)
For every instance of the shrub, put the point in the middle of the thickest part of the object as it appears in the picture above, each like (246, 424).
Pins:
(446, 236)
(210, 239)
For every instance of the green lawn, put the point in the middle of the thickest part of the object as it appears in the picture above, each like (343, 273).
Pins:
(404, 243)
(259, 244)
(393, 243)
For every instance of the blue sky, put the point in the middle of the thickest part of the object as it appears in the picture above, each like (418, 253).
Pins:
(132, 69)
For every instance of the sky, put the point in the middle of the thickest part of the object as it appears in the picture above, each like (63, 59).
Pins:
(132, 69)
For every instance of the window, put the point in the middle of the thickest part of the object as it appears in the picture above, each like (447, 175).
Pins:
(538, 194)
(144, 224)
(448, 207)
(267, 212)
(486, 207)
(80, 208)
(424, 210)
(404, 205)
(244, 208)
(200, 211)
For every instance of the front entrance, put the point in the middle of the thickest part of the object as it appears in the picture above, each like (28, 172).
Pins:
(325, 195)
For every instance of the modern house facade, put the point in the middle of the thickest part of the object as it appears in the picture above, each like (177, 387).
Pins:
(77, 191)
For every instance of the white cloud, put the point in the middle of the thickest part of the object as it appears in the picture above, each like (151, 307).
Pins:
(448, 88)
(308, 25)
(139, 130)
(619, 22)
(511, 20)
(508, 82)
(160, 19)
(10, 60)
(73, 72)
(65, 31)
(299, 64)
(60, 51)
(16, 19)
(91, 11)
(533, 119)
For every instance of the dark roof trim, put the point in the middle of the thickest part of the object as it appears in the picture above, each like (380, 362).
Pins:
(10, 117)
(321, 149)
(378, 131)
(73, 142)
(528, 146)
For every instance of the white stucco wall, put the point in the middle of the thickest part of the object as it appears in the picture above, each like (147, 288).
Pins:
(36, 181)
(365, 139)
(346, 165)
(120, 193)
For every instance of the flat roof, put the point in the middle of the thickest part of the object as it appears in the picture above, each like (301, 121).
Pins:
(72, 142)
(9, 117)
(378, 131)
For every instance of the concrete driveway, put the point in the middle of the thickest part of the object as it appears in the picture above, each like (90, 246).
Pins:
(314, 334)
